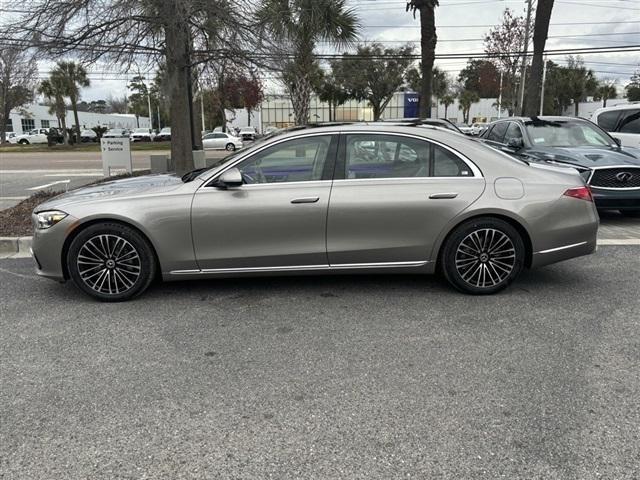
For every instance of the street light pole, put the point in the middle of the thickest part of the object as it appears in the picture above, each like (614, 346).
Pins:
(149, 105)
(523, 67)
(544, 78)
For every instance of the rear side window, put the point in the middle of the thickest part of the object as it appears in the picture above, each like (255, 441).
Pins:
(608, 120)
(497, 132)
(391, 156)
(631, 122)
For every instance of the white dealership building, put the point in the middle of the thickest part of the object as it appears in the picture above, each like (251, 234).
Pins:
(21, 120)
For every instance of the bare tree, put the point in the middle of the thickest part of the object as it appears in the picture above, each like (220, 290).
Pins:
(18, 74)
(122, 32)
(117, 104)
(504, 43)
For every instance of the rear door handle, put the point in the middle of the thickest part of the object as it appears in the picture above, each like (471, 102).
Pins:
(438, 196)
(305, 200)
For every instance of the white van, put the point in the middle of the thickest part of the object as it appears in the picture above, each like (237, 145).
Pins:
(621, 121)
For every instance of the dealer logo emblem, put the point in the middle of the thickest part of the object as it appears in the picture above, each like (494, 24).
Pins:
(624, 177)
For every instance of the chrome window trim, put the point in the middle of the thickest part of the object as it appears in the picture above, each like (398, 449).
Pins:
(565, 247)
(477, 173)
(608, 167)
(474, 168)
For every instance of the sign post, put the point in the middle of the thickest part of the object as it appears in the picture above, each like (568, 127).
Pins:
(116, 153)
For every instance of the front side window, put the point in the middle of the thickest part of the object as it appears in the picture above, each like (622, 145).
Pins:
(608, 120)
(513, 132)
(298, 160)
(497, 132)
(390, 156)
(631, 122)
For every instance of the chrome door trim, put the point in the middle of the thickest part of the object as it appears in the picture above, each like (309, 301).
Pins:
(300, 268)
(566, 247)
(440, 196)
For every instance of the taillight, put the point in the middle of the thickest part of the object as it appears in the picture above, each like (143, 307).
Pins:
(583, 193)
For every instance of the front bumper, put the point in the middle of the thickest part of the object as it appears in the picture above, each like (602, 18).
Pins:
(47, 248)
(616, 199)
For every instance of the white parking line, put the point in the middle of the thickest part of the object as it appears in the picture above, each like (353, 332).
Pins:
(12, 198)
(40, 187)
(74, 174)
(619, 241)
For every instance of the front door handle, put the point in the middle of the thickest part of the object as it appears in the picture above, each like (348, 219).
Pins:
(305, 200)
(438, 196)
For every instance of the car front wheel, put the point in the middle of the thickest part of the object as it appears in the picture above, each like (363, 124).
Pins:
(24, 142)
(111, 262)
(483, 256)
(230, 147)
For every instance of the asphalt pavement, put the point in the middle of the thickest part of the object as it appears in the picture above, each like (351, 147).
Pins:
(338, 377)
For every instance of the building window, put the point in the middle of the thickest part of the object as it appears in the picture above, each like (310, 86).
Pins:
(28, 124)
(44, 124)
(9, 125)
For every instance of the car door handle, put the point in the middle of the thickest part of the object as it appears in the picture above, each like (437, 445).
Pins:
(439, 196)
(305, 200)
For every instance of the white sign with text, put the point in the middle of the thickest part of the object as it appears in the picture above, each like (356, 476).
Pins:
(116, 153)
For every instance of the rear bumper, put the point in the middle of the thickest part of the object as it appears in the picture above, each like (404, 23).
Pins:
(616, 199)
(564, 252)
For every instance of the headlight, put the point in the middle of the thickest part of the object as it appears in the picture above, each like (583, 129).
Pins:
(49, 219)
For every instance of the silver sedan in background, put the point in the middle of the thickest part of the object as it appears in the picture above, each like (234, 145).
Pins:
(221, 141)
(349, 198)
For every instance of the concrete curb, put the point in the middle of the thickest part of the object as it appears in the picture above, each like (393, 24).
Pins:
(13, 245)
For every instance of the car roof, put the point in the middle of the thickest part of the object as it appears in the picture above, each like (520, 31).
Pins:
(548, 118)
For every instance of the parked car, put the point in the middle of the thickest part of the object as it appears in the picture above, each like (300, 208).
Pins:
(621, 121)
(359, 198)
(116, 133)
(611, 171)
(142, 135)
(37, 135)
(477, 128)
(88, 136)
(221, 141)
(164, 135)
(464, 128)
(247, 133)
(9, 136)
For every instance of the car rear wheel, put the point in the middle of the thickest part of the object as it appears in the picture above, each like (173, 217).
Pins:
(230, 147)
(631, 213)
(24, 142)
(483, 256)
(111, 262)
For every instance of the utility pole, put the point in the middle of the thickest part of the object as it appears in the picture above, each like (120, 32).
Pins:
(202, 109)
(544, 78)
(523, 67)
(149, 105)
(158, 110)
(500, 97)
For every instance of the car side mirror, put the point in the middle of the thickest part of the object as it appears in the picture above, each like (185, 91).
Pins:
(618, 141)
(515, 144)
(230, 179)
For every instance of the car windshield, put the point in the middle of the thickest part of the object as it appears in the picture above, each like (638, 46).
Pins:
(566, 133)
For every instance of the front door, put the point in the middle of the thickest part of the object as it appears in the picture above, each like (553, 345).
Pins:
(277, 218)
(396, 195)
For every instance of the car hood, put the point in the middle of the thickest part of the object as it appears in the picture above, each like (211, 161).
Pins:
(123, 188)
(588, 157)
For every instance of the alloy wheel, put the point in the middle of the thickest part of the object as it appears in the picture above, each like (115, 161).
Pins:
(109, 264)
(485, 258)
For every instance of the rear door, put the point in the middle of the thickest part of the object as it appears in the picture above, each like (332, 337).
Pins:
(392, 196)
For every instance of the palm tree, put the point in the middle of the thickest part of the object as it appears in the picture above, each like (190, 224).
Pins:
(447, 100)
(72, 76)
(606, 91)
(465, 100)
(540, 32)
(301, 24)
(428, 40)
(54, 91)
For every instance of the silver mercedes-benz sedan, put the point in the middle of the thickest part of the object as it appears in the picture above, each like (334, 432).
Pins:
(349, 198)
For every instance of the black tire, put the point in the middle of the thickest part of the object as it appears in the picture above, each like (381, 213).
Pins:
(631, 213)
(24, 142)
(468, 258)
(230, 147)
(120, 251)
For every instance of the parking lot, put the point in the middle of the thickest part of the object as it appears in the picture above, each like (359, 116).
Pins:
(332, 377)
